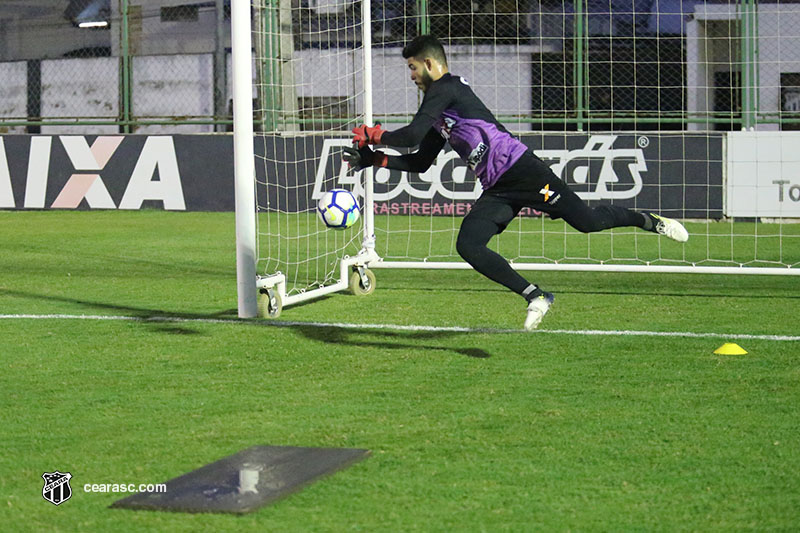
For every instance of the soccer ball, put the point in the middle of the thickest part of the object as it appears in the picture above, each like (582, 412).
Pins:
(338, 209)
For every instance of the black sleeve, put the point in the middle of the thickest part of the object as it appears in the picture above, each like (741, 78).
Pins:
(437, 99)
(421, 160)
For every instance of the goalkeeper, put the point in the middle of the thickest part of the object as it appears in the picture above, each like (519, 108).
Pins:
(512, 177)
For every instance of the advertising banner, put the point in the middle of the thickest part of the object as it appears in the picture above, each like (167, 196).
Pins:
(763, 174)
(678, 175)
(116, 172)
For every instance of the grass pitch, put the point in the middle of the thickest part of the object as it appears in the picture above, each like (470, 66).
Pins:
(469, 431)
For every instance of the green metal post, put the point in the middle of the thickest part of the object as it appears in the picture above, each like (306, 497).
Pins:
(756, 65)
(268, 103)
(125, 95)
(423, 18)
(578, 43)
(220, 70)
(274, 64)
(744, 71)
(259, 106)
(747, 81)
(266, 78)
(749, 70)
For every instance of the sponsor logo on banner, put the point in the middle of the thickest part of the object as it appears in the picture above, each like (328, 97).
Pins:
(615, 172)
(391, 184)
(597, 171)
(56, 488)
(86, 184)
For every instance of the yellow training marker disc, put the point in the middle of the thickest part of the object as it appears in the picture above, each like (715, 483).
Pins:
(730, 348)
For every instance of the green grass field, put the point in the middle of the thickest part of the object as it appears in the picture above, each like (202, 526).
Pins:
(469, 431)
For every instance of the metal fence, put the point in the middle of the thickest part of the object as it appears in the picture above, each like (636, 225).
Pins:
(152, 66)
(105, 66)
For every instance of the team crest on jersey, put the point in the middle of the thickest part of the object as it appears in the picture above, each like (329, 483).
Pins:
(56, 488)
(447, 127)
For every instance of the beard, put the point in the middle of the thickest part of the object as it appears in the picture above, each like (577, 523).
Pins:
(425, 80)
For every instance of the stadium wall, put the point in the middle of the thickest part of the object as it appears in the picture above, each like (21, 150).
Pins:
(171, 88)
(182, 85)
(712, 46)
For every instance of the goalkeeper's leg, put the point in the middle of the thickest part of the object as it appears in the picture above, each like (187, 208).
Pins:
(532, 183)
(586, 219)
(489, 216)
(590, 219)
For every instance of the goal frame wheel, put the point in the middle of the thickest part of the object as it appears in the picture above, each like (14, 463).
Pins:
(270, 304)
(362, 281)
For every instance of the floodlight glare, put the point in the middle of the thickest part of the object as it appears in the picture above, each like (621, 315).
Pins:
(94, 24)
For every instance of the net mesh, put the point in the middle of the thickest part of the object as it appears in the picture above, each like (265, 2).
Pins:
(631, 103)
(308, 90)
(628, 102)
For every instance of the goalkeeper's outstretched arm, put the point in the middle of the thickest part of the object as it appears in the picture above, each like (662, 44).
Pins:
(423, 158)
(418, 161)
(411, 135)
(437, 99)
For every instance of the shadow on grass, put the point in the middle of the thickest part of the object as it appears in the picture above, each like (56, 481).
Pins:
(161, 321)
(156, 319)
(138, 312)
(388, 340)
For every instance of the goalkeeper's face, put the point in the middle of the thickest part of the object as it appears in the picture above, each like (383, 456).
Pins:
(420, 73)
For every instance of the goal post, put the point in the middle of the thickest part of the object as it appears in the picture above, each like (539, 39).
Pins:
(244, 159)
(684, 112)
(301, 78)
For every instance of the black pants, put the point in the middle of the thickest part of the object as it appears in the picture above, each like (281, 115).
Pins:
(529, 183)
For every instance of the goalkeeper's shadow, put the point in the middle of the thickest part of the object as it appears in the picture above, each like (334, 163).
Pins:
(387, 340)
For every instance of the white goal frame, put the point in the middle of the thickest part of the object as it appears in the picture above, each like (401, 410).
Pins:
(252, 288)
(266, 295)
(244, 159)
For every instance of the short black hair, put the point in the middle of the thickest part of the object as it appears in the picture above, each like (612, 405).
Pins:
(424, 46)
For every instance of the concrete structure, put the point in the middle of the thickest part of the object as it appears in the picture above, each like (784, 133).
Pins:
(178, 49)
(713, 46)
(38, 29)
(169, 27)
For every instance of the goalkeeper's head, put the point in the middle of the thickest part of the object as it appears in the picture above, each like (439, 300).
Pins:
(426, 60)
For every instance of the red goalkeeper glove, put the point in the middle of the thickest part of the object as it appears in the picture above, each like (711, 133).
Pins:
(364, 135)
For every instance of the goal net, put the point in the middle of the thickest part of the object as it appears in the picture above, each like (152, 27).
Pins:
(680, 108)
(308, 93)
(633, 104)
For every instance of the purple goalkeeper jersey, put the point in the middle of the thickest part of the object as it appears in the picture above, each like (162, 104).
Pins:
(487, 147)
(453, 110)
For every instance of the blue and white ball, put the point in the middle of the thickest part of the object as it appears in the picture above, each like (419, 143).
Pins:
(338, 209)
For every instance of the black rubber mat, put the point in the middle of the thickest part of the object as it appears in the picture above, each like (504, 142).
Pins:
(245, 481)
